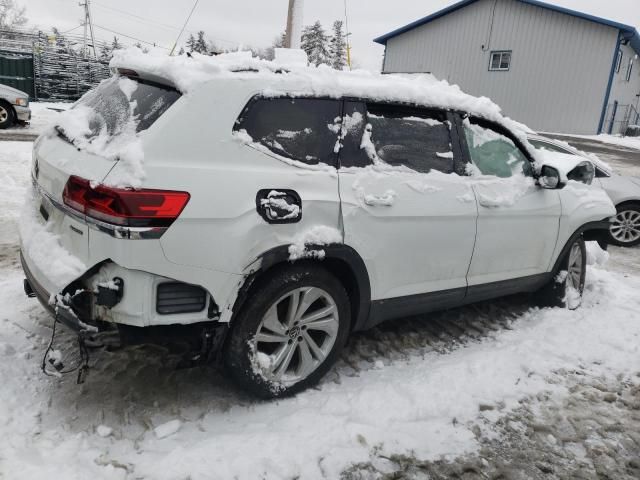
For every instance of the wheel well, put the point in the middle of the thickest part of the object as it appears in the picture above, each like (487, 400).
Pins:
(7, 104)
(635, 203)
(357, 287)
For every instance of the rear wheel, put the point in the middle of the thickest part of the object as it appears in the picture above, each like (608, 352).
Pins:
(566, 288)
(625, 228)
(289, 332)
(7, 115)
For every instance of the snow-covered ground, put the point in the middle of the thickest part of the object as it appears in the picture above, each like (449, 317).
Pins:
(417, 387)
(626, 142)
(42, 114)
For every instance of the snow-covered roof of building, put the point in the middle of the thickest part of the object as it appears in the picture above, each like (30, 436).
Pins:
(629, 33)
(274, 78)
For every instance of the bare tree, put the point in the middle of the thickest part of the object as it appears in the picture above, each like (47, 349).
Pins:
(12, 15)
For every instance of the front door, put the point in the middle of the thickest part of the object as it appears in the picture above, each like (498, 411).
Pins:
(404, 211)
(518, 221)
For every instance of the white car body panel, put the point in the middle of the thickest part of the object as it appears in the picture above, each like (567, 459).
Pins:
(620, 189)
(509, 243)
(421, 242)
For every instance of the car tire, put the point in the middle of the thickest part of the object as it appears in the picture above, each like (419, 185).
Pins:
(567, 286)
(289, 332)
(625, 229)
(7, 116)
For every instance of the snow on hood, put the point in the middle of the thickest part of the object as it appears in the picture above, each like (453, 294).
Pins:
(563, 162)
(188, 73)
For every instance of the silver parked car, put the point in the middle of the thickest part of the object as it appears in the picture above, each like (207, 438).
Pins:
(14, 106)
(624, 192)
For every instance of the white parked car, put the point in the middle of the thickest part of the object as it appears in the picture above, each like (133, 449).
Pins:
(624, 192)
(271, 212)
(14, 106)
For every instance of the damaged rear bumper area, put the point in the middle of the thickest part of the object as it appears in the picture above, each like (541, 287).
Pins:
(109, 298)
(66, 314)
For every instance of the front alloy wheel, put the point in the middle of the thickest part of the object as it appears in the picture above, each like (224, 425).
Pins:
(289, 331)
(567, 286)
(625, 228)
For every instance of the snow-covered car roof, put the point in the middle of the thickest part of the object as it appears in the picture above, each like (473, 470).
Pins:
(277, 78)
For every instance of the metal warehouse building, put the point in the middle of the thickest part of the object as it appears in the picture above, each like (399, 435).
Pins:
(556, 70)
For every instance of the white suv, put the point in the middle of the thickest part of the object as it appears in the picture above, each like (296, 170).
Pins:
(270, 212)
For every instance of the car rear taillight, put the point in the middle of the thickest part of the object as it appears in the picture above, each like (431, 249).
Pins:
(125, 207)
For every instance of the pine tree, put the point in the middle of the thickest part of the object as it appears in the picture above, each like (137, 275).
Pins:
(201, 44)
(181, 52)
(115, 45)
(269, 52)
(315, 43)
(105, 53)
(191, 43)
(338, 47)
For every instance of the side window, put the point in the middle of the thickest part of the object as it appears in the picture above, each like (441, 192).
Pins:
(301, 129)
(494, 153)
(397, 135)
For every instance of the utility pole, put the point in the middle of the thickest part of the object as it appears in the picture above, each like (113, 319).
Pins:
(294, 24)
(88, 28)
(347, 35)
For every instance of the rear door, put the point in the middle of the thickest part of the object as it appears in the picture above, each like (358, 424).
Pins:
(518, 221)
(410, 217)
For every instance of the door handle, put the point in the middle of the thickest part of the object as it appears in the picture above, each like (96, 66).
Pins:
(279, 205)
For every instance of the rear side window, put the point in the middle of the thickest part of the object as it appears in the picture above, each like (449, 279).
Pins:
(397, 135)
(115, 101)
(302, 129)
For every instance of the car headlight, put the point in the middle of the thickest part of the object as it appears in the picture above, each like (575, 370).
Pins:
(22, 102)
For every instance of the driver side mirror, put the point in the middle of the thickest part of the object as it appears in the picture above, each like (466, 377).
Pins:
(550, 178)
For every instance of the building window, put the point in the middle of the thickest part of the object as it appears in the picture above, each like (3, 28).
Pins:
(619, 61)
(500, 61)
(629, 69)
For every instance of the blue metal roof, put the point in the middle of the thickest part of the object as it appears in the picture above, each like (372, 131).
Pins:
(629, 32)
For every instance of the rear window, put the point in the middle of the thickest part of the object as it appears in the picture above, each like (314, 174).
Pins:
(302, 129)
(118, 100)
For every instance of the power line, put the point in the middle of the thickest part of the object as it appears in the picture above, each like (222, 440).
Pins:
(184, 26)
(159, 24)
(129, 36)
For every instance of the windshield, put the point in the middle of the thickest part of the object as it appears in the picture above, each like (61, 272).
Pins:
(110, 108)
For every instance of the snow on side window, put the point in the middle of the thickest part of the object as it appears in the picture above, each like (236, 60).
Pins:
(409, 137)
(296, 129)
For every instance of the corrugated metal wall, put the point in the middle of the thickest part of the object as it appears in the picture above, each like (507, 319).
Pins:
(559, 70)
(16, 70)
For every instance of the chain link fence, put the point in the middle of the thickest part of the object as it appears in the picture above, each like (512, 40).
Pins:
(620, 118)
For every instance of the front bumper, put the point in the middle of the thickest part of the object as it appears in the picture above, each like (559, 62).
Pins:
(22, 113)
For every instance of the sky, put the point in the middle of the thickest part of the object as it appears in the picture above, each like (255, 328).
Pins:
(257, 22)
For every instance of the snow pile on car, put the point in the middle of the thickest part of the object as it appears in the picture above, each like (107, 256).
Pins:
(188, 73)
